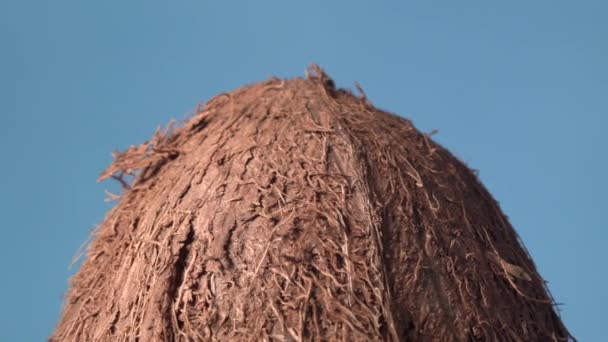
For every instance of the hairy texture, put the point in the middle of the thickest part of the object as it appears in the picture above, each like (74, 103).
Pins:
(291, 210)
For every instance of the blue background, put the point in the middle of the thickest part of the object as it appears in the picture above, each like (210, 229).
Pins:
(517, 89)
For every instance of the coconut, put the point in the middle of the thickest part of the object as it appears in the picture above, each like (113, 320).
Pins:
(292, 210)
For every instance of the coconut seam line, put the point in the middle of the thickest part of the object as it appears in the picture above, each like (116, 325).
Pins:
(294, 210)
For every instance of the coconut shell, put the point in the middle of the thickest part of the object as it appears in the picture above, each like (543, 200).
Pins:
(295, 211)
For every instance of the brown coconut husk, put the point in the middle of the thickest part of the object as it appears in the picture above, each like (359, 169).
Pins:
(292, 210)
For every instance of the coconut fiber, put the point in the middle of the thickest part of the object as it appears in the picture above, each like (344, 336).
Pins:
(291, 210)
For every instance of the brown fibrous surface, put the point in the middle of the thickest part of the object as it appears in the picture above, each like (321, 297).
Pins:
(291, 210)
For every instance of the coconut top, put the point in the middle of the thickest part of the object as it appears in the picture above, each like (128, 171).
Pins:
(294, 210)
